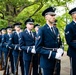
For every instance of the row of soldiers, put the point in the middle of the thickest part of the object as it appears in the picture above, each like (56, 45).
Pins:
(37, 52)
(10, 42)
(10, 48)
(43, 47)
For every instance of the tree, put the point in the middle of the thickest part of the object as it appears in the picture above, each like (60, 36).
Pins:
(18, 10)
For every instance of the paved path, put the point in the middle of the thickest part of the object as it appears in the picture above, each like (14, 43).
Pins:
(65, 65)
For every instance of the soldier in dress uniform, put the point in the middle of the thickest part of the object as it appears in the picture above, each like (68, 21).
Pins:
(36, 27)
(36, 56)
(27, 45)
(47, 43)
(70, 35)
(6, 45)
(4, 51)
(58, 65)
(0, 45)
(0, 51)
(15, 46)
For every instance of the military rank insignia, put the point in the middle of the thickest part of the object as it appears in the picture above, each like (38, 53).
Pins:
(67, 32)
(37, 38)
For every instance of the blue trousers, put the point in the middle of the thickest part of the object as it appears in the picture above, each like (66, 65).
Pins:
(15, 63)
(73, 66)
(26, 67)
(5, 57)
(53, 71)
(12, 62)
(35, 65)
(21, 63)
(48, 71)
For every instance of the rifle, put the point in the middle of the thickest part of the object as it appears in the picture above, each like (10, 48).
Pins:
(39, 73)
(1, 60)
(55, 68)
(16, 72)
(39, 68)
(31, 65)
(6, 66)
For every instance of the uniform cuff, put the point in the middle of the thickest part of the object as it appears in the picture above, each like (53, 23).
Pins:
(15, 47)
(49, 54)
(6, 46)
(28, 49)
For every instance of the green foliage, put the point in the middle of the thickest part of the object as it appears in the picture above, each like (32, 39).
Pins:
(19, 10)
(3, 23)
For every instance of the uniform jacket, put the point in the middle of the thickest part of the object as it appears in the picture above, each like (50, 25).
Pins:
(46, 38)
(70, 35)
(26, 41)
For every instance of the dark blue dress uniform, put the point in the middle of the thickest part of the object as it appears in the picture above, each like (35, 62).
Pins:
(60, 45)
(47, 39)
(0, 52)
(35, 60)
(0, 47)
(6, 45)
(37, 56)
(4, 49)
(70, 35)
(15, 46)
(26, 43)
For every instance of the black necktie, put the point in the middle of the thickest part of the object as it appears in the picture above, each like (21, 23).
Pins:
(31, 34)
(52, 29)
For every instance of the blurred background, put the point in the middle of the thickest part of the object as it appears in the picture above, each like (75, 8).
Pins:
(12, 11)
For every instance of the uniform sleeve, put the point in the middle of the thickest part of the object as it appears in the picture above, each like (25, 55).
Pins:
(23, 45)
(9, 42)
(69, 37)
(60, 45)
(39, 45)
(4, 40)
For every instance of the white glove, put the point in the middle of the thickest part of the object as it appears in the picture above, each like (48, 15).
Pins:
(33, 50)
(20, 49)
(10, 48)
(58, 56)
(60, 50)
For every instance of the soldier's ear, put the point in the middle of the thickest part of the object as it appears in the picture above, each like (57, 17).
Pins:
(46, 17)
(73, 15)
(26, 25)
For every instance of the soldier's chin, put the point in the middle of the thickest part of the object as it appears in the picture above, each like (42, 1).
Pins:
(31, 28)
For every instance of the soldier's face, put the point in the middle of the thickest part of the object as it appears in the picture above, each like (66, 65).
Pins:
(9, 30)
(74, 15)
(36, 29)
(0, 33)
(17, 28)
(3, 31)
(50, 18)
(30, 26)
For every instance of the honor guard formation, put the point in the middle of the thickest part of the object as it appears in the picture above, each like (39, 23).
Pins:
(37, 50)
